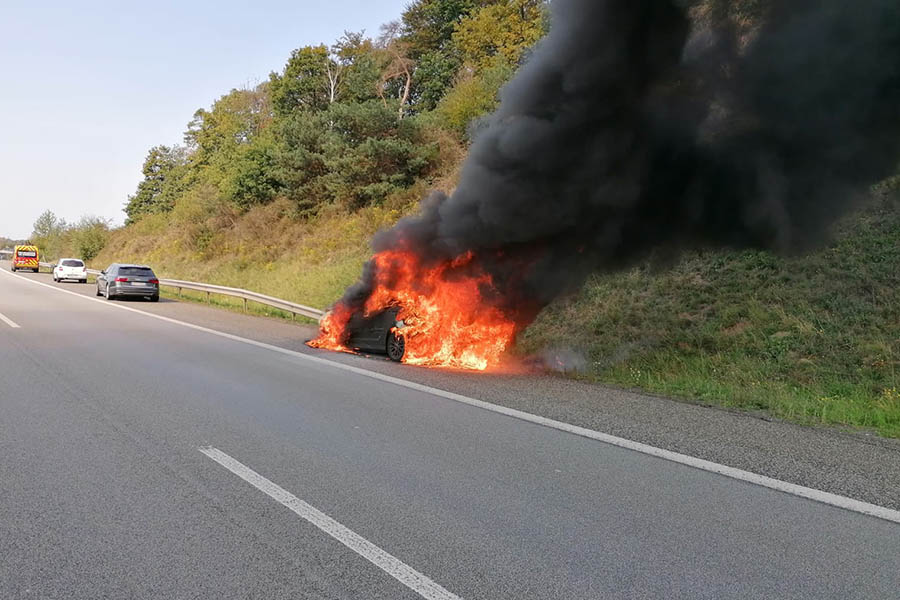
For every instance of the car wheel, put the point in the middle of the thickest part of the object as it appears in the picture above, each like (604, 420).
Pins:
(38, 270)
(83, 281)
(55, 280)
(396, 346)
(108, 295)
(13, 269)
(99, 293)
(154, 298)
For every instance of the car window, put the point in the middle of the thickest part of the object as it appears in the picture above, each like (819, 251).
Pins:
(136, 272)
(26, 253)
(72, 263)
(110, 269)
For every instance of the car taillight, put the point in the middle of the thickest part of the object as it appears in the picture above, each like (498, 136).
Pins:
(156, 281)
(121, 279)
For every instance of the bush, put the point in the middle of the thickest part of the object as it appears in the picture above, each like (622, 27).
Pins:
(89, 237)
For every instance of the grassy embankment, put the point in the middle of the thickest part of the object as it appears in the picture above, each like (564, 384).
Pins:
(265, 250)
(814, 339)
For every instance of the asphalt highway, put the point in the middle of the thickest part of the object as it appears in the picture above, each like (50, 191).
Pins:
(145, 458)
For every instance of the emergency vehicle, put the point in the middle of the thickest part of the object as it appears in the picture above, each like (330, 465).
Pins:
(26, 257)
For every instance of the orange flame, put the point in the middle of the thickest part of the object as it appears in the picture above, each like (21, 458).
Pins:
(446, 319)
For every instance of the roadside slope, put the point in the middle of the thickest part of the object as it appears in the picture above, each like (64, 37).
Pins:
(814, 339)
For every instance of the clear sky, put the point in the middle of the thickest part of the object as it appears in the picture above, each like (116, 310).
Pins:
(90, 86)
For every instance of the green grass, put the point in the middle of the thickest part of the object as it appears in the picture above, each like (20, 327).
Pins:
(814, 339)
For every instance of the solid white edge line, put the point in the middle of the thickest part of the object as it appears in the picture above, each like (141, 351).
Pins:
(393, 566)
(844, 502)
(9, 321)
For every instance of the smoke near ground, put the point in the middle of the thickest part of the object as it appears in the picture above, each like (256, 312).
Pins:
(633, 130)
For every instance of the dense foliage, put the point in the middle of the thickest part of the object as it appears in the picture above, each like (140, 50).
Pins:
(350, 124)
(56, 238)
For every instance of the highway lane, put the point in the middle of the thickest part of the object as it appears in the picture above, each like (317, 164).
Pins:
(105, 492)
(853, 464)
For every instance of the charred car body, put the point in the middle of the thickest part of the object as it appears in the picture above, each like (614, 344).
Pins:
(381, 332)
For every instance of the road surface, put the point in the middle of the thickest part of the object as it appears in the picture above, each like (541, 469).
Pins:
(145, 458)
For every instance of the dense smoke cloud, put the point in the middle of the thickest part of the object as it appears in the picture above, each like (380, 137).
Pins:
(633, 129)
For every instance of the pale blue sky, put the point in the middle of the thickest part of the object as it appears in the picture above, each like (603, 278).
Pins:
(90, 86)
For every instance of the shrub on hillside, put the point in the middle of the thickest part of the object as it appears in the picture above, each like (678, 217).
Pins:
(472, 97)
(351, 155)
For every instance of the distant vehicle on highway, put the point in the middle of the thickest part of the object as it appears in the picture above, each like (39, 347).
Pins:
(70, 268)
(26, 257)
(379, 333)
(119, 280)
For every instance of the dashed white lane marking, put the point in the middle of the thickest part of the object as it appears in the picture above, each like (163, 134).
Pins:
(9, 321)
(388, 563)
(858, 506)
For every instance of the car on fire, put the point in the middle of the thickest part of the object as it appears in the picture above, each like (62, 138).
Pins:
(381, 333)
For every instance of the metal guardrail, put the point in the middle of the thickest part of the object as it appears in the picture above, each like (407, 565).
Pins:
(246, 295)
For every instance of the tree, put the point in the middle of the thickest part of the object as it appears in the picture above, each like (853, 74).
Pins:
(427, 25)
(432, 78)
(361, 67)
(399, 66)
(304, 83)
(164, 172)
(234, 120)
(89, 236)
(48, 233)
(502, 31)
(472, 96)
(376, 154)
(351, 155)
(251, 177)
(47, 225)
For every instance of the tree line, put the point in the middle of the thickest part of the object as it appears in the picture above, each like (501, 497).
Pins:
(56, 238)
(348, 124)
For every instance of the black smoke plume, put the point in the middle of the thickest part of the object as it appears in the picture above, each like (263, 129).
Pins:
(634, 129)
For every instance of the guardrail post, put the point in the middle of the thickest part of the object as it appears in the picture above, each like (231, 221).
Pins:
(245, 305)
(179, 293)
(207, 297)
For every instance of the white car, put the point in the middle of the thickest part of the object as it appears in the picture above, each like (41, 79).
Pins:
(70, 268)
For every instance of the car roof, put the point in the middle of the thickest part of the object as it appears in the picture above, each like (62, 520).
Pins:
(70, 258)
(130, 266)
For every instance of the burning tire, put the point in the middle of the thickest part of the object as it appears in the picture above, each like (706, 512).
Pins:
(396, 346)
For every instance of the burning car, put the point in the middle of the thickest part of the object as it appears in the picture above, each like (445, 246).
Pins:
(433, 316)
(380, 332)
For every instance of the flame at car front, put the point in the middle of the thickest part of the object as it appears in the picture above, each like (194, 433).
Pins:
(443, 314)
